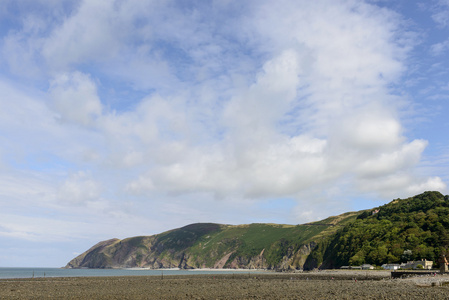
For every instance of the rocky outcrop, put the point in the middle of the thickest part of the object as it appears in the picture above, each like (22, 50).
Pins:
(222, 262)
(120, 254)
(92, 258)
(149, 252)
(208, 245)
(302, 254)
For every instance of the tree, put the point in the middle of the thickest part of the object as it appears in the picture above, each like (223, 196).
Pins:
(358, 259)
(407, 255)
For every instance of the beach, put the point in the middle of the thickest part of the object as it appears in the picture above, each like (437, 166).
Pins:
(313, 285)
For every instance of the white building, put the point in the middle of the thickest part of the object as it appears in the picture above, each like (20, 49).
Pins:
(390, 266)
(367, 267)
(426, 264)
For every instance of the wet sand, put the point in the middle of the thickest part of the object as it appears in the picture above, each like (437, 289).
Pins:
(319, 285)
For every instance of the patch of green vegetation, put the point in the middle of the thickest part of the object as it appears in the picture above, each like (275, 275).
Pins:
(136, 242)
(419, 224)
(139, 257)
(247, 241)
(187, 236)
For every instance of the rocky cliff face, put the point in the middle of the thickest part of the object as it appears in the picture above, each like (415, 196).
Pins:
(255, 246)
(118, 254)
(292, 259)
(94, 257)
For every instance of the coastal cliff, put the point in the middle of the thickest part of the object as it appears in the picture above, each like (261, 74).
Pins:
(209, 245)
(404, 229)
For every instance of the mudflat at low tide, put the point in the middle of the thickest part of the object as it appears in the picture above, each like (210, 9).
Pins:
(364, 285)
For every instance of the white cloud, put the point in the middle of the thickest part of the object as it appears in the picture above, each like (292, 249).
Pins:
(439, 48)
(88, 35)
(337, 88)
(387, 163)
(401, 185)
(440, 12)
(19, 52)
(431, 184)
(370, 129)
(75, 98)
(252, 114)
(34, 229)
(79, 188)
(23, 190)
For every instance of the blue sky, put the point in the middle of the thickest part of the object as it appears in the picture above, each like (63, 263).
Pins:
(125, 118)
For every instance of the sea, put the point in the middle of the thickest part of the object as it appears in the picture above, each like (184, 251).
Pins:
(9, 273)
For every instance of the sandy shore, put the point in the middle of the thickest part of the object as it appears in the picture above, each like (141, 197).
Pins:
(319, 285)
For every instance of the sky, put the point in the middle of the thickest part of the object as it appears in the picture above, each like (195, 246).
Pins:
(129, 117)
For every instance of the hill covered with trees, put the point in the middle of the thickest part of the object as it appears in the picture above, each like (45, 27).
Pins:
(402, 230)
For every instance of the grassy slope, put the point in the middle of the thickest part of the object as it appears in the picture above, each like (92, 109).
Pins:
(207, 243)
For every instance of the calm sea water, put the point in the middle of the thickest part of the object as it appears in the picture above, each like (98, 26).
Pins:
(57, 272)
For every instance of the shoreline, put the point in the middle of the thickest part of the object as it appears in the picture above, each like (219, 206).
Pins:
(316, 285)
(193, 270)
(228, 270)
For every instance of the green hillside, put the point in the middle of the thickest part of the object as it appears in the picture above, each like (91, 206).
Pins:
(208, 245)
(408, 229)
